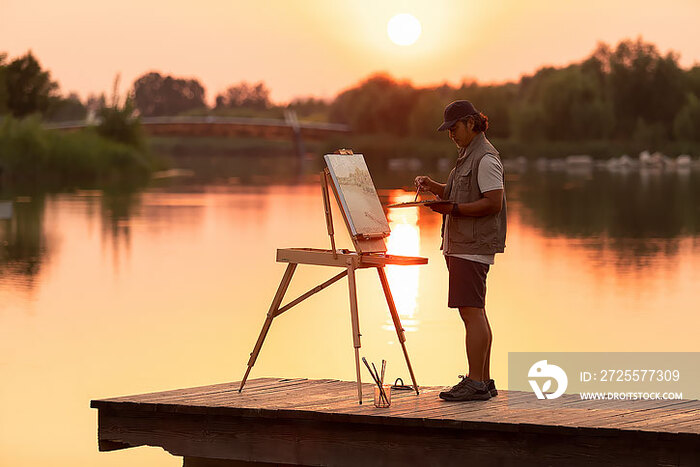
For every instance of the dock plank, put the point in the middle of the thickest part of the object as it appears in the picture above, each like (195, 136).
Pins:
(163, 396)
(269, 395)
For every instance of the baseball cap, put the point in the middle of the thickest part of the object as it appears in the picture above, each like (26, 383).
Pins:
(455, 111)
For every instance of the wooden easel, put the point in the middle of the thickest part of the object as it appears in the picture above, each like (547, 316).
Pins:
(370, 252)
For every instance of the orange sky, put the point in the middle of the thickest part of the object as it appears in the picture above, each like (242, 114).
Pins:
(319, 47)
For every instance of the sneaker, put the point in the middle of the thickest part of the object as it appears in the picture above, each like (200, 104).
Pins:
(492, 388)
(449, 392)
(467, 390)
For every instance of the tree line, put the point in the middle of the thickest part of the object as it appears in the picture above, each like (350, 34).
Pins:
(629, 92)
(115, 150)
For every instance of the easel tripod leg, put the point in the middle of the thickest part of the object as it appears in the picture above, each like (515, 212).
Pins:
(355, 327)
(276, 302)
(397, 322)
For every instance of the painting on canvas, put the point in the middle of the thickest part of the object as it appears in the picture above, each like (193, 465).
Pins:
(358, 196)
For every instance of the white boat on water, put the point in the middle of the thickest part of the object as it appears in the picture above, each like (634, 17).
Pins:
(683, 161)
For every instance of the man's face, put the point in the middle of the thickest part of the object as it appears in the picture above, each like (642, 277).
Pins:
(460, 134)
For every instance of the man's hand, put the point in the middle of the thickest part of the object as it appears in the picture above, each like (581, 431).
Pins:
(442, 208)
(425, 183)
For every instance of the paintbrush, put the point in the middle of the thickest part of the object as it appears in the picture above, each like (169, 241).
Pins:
(417, 191)
(383, 370)
(376, 373)
(374, 376)
(381, 383)
(364, 360)
(376, 380)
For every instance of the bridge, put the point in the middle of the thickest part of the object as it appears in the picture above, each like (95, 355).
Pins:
(268, 128)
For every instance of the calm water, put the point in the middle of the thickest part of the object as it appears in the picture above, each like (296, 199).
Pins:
(106, 294)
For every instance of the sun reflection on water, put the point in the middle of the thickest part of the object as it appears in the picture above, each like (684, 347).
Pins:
(404, 240)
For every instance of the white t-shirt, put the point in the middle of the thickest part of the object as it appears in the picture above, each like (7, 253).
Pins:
(490, 178)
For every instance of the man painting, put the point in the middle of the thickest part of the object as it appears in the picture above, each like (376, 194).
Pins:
(473, 231)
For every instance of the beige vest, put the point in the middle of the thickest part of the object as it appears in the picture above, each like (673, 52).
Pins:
(469, 235)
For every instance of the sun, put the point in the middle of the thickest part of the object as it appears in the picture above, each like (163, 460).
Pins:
(403, 29)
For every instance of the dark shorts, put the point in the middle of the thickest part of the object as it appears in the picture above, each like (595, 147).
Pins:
(467, 283)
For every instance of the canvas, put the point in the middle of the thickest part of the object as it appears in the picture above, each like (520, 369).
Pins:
(358, 196)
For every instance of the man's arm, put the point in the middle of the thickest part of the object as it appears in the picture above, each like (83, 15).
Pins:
(438, 189)
(491, 179)
(491, 203)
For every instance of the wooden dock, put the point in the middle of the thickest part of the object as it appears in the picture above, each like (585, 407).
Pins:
(319, 422)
